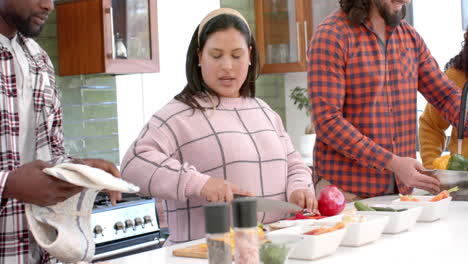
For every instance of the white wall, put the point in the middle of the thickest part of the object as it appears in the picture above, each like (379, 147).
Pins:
(296, 121)
(439, 23)
(140, 95)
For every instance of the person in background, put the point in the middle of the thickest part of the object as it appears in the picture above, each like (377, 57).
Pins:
(31, 130)
(365, 67)
(215, 138)
(432, 125)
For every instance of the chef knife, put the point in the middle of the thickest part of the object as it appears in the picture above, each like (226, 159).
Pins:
(273, 206)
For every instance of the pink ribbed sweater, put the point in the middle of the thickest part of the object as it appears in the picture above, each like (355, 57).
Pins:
(243, 141)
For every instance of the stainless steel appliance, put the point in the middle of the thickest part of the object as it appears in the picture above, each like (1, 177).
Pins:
(130, 227)
(449, 179)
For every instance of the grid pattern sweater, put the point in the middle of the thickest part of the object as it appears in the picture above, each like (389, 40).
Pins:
(243, 141)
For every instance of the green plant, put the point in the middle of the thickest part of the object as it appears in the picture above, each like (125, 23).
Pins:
(300, 99)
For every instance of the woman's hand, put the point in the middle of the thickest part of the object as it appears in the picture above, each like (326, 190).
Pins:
(219, 190)
(305, 198)
(105, 166)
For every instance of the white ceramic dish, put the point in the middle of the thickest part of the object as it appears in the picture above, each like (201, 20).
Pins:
(397, 221)
(312, 246)
(361, 233)
(431, 210)
(290, 223)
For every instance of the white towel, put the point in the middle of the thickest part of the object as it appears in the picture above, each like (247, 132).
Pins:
(64, 229)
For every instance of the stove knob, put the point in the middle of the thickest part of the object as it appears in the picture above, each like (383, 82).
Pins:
(129, 223)
(148, 219)
(118, 226)
(98, 230)
(138, 221)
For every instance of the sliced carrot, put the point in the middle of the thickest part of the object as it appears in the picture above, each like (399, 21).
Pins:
(408, 198)
(443, 194)
(323, 230)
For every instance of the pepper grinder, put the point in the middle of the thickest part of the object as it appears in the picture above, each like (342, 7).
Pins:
(244, 213)
(218, 236)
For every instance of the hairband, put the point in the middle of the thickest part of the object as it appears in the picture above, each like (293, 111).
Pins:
(218, 12)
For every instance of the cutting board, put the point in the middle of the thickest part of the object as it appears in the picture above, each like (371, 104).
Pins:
(195, 251)
(198, 251)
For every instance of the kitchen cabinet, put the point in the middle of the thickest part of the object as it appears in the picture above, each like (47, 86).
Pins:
(107, 36)
(283, 30)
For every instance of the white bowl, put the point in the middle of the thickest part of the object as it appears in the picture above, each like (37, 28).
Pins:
(279, 247)
(397, 221)
(312, 246)
(431, 210)
(290, 223)
(361, 233)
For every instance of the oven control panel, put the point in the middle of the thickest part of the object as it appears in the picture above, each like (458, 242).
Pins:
(124, 220)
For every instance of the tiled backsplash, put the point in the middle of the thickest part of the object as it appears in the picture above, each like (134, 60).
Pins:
(89, 104)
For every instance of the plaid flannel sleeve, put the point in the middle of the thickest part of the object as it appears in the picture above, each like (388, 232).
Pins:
(327, 91)
(3, 179)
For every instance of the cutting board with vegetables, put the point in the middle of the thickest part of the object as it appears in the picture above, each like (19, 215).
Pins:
(195, 251)
(201, 250)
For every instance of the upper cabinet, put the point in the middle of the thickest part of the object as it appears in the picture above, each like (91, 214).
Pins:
(107, 36)
(283, 30)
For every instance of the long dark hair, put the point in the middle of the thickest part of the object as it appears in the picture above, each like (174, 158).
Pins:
(358, 10)
(460, 61)
(195, 84)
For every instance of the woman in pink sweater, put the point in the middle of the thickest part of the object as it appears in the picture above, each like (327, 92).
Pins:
(215, 139)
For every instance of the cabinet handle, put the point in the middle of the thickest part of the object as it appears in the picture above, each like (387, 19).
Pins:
(110, 11)
(306, 40)
(298, 42)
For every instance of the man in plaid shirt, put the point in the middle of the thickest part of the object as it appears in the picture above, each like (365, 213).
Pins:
(30, 129)
(365, 66)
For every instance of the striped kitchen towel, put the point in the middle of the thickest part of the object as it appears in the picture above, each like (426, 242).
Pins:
(64, 229)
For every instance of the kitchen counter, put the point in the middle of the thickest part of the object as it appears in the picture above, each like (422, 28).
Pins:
(442, 241)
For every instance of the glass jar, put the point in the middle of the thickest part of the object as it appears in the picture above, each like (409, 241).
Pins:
(218, 237)
(245, 231)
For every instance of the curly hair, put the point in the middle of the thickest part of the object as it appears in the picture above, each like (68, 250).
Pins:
(460, 61)
(358, 10)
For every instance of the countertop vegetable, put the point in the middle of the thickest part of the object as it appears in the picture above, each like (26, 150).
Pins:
(331, 201)
(457, 162)
(273, 254)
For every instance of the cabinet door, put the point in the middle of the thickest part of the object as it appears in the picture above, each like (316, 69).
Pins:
(107, 36)
(130, 29)
(281, 35)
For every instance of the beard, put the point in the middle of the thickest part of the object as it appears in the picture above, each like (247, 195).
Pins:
(24, 26)
(391, 19)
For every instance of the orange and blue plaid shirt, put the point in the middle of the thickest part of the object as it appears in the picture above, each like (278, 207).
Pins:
(15, 246)
(363, 98)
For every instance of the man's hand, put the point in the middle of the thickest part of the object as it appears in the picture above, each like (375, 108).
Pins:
(305, 198)
(219, 190)
(30, 184)
(105, 166)
(408, 170)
